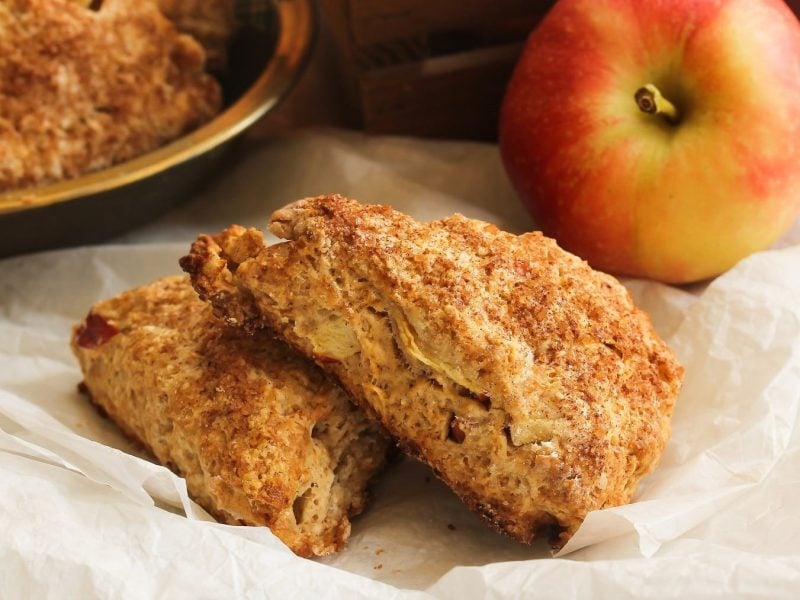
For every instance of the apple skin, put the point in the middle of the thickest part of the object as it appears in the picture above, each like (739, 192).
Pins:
(630, 192)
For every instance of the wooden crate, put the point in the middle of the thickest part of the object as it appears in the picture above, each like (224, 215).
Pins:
(429, 68)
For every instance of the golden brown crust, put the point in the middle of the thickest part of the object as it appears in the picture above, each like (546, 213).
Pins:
(528, 381)
(81, 90)
(261, 435)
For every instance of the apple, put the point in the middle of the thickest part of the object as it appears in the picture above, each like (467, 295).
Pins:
(658, 138)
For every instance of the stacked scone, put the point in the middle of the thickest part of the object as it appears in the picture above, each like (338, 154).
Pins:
(528, 382)
(260, 434)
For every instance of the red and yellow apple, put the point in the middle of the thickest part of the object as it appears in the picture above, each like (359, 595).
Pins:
(658, 138)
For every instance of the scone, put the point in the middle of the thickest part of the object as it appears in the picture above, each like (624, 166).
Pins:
(529, 382)
(261, 435)
(85, 89)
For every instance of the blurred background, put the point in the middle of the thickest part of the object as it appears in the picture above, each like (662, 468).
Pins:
(414, 68)
(411, 67)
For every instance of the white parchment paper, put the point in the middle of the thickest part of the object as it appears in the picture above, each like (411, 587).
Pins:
(82, 515)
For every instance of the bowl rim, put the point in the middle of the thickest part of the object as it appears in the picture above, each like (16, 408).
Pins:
(296, 32)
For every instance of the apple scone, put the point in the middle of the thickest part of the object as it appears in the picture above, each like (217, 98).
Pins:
(528, 381)
(83, 89)
(261, 435)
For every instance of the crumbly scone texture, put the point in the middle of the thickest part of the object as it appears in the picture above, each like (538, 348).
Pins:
(528, 381)
(84, 89)
(262, 436)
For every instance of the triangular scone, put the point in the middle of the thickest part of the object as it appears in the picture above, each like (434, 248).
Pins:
(528, 381)
(261, 435)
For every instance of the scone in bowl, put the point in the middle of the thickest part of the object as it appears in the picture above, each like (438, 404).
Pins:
(266, 58)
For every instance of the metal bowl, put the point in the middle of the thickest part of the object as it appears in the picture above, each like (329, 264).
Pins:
(265, 61)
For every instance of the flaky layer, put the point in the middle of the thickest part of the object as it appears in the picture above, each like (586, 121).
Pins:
(260, 434)
(528, 381)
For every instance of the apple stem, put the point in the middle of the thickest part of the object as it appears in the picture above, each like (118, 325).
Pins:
(650, 100)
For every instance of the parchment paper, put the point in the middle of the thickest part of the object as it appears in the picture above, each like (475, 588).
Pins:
(83, 515)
